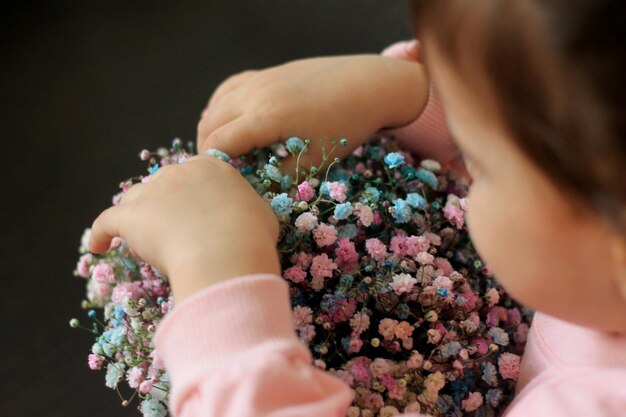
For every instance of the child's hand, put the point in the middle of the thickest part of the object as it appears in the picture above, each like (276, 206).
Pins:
(199, 223)
(337, 97)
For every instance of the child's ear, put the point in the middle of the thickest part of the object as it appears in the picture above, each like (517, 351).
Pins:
(618, 252)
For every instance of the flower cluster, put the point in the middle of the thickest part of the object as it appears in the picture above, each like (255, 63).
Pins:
(386, 288)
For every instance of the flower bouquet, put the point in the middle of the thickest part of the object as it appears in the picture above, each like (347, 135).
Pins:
(387, 290)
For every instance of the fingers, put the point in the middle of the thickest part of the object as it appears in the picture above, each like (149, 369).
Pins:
(240, 136)
(214, 119)
(228, 85)
(104, 229)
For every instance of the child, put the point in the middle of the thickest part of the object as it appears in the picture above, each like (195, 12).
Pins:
(532, 92)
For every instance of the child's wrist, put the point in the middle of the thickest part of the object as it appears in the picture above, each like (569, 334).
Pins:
(224, 260)
(407, 92)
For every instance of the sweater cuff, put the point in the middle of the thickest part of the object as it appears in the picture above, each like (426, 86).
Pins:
(225, 320)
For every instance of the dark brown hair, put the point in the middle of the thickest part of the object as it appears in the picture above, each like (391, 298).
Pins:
(556, 69)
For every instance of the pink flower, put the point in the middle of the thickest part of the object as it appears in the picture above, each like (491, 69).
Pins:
(403, 283)
(360, 369)
(373, 401)
(413, 407)
(360, 322)
(521, 333)
(513, 317)
(337, 191)
(377, 218)
(95, 361)
(294, 274)
(508, 364)
(317, 283)
(346, 254)
(415, 360)
(355, 344)
(403, 330)
(416, 244)
(387, 327)
(135, 377)
(376, 249)
(397, 392)
(145, 387)
(302, 315)
(307, 333)
(398, 245)
(366, 215)
(82, 268)
(388, 411)
(305, 192)
(424, 258)
(493, 297)
(481, 346)
(132, 290)
(322, 266)
(325, 235)
(379, 367)
(434, 239)
(453, 211)
(443, 282)
(103, 273)
(306, 222)
(302, 259)
(444, 265)
(473, 401)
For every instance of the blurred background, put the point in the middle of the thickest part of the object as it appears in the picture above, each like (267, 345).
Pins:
(85, 85)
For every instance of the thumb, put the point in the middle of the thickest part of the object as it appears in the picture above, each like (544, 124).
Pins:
(239, 137)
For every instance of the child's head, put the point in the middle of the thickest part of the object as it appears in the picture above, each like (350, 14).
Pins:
(533, 94)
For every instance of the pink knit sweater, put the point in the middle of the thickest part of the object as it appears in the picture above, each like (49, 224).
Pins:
(231, 349)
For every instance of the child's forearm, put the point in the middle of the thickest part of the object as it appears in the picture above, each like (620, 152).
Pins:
(230, 258)
(406, 92)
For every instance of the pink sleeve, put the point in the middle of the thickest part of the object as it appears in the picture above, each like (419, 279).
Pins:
(597, 392)
(427, 136)
(231, 351)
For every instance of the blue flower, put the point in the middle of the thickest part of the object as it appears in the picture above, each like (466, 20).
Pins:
(153, 408)
(370, 194)
(348, 230)
(329, 303)
(115, 371)
(394, 159)
(342, 211)
(427, 177)
(489, 373)
(117, 336)
(494, 396)
(97, 349)
(294, 145)
(281, 204)
(218, 154)
(415, 200)
(403, 311)
(272, 172)
(285, 182)
(153, 169)
(346, 280)
(450, 349)
(499, 336)
(403, 211)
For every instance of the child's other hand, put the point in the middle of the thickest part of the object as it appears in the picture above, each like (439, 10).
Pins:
(336, 97)
(198, 222)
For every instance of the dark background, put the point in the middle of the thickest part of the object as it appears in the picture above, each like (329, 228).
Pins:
(85, 85)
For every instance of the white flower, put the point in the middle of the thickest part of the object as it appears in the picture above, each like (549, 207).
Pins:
(306, 222)
(152, 408)
(115, 372)
(84, 241)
